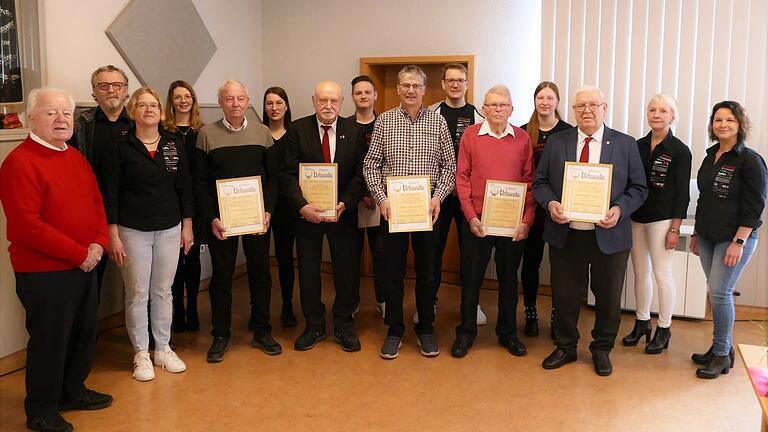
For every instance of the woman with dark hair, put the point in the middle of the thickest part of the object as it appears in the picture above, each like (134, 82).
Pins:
(732, 184)
(277, 116)
(182, 118)
(545, 121)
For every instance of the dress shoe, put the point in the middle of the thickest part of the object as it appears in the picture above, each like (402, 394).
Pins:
(514, 346)
(603, 365)
(660, 341)
(348, 340)
(460, 347)
(217, 349)
(641, 328)
(87, 400)
(558, 359)
(287, 317)
(52, 423)
(717, 365)
(266, 343)
(308, 339)
(531, 327)
(704, 358)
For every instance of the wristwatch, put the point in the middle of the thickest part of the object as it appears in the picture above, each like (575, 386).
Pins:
(739, 241)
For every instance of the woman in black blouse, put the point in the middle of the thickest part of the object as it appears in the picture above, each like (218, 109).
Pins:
(277, 116)
(732, 184)
(656, 225)
(182, 118)
(545, 121)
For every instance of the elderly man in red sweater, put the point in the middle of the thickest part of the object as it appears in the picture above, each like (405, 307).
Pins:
(492, 150)
(58, 231)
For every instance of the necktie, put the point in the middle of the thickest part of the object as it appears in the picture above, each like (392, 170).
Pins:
(326, 144)
(585, 151)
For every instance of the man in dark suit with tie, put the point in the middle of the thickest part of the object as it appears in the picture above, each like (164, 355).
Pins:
(324, 137)
(585, 254)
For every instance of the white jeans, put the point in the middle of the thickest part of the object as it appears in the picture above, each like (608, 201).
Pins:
(648, 251)
(148, 272)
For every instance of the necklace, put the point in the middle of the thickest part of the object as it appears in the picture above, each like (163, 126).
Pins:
(185, 129)
(150, 144)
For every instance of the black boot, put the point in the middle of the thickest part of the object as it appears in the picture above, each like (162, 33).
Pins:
(642, 328)
(531, 322)
(704, 358)
(660, 341)
(716, 366)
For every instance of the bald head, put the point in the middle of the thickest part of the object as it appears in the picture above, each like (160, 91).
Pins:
(327, 100)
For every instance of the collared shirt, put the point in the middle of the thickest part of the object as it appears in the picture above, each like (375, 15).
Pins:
(234, 129)
(403, 146)
(594, 157)
(331, 136)
(485, 129)
(106, 131)
(45, 143)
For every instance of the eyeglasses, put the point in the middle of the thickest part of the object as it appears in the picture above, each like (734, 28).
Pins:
(183, 97)
(104, 86)
(580, 108)
(148, 105)
(495, 107)
(406, 86)
(452, 81)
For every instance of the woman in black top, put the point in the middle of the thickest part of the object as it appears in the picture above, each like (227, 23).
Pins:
(732, 184)
(656, 225)
(277, 116)
(182, 118)
(545, 121)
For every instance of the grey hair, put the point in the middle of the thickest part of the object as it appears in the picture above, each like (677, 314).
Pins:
(501, 90)
(34, 97)
(412, 69)
(230, 82)
(588, 89)
(666, 100)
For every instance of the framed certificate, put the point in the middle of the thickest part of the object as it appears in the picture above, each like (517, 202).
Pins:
(409, 197)
(318, 183)
(586, 191)
(241, 205)
(503, 207)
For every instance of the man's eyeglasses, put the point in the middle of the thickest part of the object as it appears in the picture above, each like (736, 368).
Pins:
(580, 108)
(406, 86)
(452, 81)
(497, 106)
(104, 86)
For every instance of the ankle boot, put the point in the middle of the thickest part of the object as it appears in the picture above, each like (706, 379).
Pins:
(716, 366)
(660, 341)
(704, 358)
(642, 328)
(531, 322)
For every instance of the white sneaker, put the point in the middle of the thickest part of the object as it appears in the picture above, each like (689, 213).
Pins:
(416, 315)
(169, 361)
(481, 318)
(142, 367)
(382, 308)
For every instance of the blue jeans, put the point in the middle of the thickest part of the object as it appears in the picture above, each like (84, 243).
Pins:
(721, 281)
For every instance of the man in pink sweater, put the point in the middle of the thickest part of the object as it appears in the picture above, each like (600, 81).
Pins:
(58, 232)
(492, 150)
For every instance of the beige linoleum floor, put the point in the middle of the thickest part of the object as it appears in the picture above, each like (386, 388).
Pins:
(326, 389)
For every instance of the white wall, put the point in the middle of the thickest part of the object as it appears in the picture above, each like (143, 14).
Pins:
(306, 42)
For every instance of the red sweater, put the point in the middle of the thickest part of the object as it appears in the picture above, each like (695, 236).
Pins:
(53, 206)
(483, 157)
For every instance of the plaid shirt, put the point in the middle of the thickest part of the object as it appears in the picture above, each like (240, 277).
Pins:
(401, 146)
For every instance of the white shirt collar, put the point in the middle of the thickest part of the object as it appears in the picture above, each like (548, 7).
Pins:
(485, 129)
(596, 137)
(234, 129)
(332, 125)
(45, 143)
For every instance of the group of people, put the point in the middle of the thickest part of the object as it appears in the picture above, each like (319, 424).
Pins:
(138, 183)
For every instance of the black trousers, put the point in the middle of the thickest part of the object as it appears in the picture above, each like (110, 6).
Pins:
(576, 266)
(343, 241)
(223, 257)
(283, 228)
(450, 210)
(187, 276)
(532, 256)
(376, 244)
(100, 270)
(475, 254)
(61, 310)
(425, 245)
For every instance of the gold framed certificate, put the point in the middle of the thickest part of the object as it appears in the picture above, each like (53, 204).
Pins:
(318, 183)
(586, 191)
(503, 207)
(409, 198)
(241, 205)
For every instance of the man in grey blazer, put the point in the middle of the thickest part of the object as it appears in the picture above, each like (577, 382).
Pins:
(584, 254)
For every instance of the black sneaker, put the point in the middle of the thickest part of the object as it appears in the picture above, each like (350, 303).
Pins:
(88, 400)
(348, 340)
(428, 345)
(217, 349)
(52, 423)
(266, 343)
(308, 339)
(391, 347)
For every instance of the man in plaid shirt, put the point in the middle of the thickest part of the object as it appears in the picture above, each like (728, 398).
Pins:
(410, 140)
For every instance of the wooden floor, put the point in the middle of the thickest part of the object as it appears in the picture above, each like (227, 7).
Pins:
(326, 389)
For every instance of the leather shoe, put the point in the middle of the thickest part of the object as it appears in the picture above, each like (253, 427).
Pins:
(308, 339)
(348, 340)
(52, 423)
(460, 347)
(558, 359)
(718, 365)
(266, 343)
(531, 327)
(603, 365)
(88, 400)
(704, 358)
(217, 349)
(514, 346)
